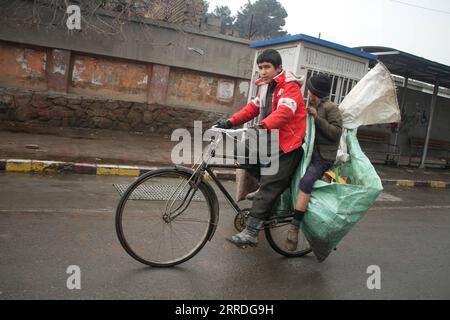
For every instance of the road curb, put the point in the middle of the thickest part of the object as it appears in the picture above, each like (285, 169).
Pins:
(44, 166)
(417, 183)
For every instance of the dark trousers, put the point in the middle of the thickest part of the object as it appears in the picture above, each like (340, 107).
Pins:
(315, 171)
(272, 186)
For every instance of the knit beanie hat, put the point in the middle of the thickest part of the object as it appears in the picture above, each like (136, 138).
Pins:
(320, 85)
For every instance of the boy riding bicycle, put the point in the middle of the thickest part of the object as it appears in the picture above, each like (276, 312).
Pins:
(281, 108)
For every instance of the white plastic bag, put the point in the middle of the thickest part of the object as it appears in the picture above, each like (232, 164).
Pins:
(372, 101)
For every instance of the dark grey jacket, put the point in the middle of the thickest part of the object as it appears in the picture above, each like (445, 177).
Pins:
(328, 129)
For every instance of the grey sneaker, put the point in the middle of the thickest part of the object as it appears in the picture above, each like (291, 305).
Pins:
(248, 236)
(292, 238)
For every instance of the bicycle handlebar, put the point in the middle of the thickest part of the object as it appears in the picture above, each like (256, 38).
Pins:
(214, 128)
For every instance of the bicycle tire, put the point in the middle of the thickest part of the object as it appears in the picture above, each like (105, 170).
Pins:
(131, 207)
(276, 234)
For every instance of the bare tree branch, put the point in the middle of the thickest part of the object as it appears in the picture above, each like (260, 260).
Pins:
(105, 17)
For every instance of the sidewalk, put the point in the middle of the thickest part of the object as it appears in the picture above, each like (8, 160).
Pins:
(93, 151)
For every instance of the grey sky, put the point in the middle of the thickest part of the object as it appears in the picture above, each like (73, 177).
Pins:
(385, 23)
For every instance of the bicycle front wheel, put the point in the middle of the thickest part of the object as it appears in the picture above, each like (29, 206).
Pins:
(276, 234)
(164, 218)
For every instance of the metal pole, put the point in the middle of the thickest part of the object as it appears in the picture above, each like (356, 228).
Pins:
(427, 138)
(250, 28)
(402, 107)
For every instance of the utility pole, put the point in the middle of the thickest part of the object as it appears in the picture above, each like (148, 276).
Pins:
(251, 25)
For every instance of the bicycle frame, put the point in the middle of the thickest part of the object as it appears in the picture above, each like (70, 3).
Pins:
(205, 166)
(179, 196)
(230, 199)
(219, 184)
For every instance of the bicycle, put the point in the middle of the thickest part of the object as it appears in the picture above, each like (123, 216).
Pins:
(178, 206)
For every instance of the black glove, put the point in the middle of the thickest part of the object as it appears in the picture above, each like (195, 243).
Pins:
(224, 124)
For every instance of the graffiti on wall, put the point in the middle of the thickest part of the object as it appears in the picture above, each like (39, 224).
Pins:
(108, 77)
(201, 90)
(417, 119)
(23, 66)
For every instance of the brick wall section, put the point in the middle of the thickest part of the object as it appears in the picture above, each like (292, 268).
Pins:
(23, 66)
(64, 88)
(157, 90)
(57, 71)
(105, 77)
(200, 90)
(184, 12)
(178, 10)
(193, 13)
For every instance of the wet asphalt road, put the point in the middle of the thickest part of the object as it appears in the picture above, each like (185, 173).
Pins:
(49, 222)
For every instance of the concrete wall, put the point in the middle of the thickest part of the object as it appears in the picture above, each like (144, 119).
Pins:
(64, 88)
(141, 40)
(203, 76)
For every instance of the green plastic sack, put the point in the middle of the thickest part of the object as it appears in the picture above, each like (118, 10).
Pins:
(333, 208)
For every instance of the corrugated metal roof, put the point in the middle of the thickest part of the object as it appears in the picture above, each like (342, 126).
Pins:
(320, 42)
(410, 66)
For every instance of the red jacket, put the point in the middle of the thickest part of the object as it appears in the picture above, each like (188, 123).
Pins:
(288, 112)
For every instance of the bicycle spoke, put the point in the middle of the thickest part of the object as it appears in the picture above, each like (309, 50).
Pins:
(171, 241)
(189, 219)
(160, 241)
(179, 239)
(144, 232)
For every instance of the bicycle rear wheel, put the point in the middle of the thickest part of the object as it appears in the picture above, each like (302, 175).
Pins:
(276, 234)
(144, 227)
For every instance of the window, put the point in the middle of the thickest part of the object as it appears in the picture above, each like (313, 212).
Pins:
(340, 86)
